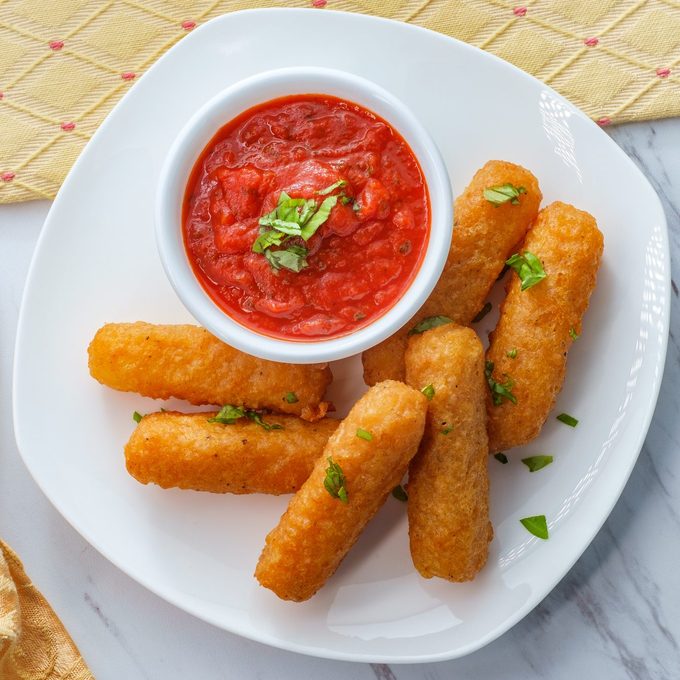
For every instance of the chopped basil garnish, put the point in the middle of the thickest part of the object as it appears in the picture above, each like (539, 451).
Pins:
(137, 416)
(399, 493)
(293, 217)
(267, 239)
(528, 268)
(292, 258)
(503, 193)
(482, 312)
(535, 463)
(335, 481)
(291, 398)
(536, 525)
(567, 419)
(364, 434)
(512, 354)
(332, 188)
(446, 430)
(257, 418)
(429, 323)
(319, 217)
(428, 391)
(573, 334)
(499, 391)
(229, 414)
(501, 458)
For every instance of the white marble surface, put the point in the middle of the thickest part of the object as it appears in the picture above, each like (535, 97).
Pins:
(615, 615)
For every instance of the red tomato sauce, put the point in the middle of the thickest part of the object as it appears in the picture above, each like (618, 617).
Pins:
(362, 258)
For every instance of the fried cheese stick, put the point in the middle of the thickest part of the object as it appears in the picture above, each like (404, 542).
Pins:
(372, 447)
(187, 362)
(528, 349)
(448, 488)
(484, 236)
(189, 452)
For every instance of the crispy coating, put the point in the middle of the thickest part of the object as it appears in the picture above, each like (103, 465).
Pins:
(186, 451)
(317, 530)
(187, 362)
(448, 489)
(536, 322)
(484, 236)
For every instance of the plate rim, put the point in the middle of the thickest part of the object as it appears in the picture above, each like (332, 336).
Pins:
(613, 494)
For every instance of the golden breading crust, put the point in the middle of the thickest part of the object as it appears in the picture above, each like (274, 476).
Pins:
(187, 362)
(536, 322)
(317, 530)
(448, 489)
(484, 236)
(186, 451)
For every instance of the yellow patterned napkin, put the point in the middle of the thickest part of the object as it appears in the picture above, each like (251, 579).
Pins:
(34, 645)
(65, 63)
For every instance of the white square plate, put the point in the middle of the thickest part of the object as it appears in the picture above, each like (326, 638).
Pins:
(96, 262)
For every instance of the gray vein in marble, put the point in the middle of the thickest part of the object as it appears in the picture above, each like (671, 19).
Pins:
(383, 671)
(113, 629)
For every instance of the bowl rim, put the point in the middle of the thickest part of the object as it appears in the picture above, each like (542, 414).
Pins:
(197, 133)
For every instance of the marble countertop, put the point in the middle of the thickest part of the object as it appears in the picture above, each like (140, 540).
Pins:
(615, 615)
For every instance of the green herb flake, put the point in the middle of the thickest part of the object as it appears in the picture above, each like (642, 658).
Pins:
(332, 187)
(512, 354)
(503, 193)
(319, 217)
(573, 335)
(137, 417)
(293, 258)
(399, 493)
(291, 398)
(567, 419)
(334, 482)
(257, 418)
(266, 239)
(482, 312)
(364, 434)
(501, 458)
(229, 414)
(346, 199)
(283, 226)
(499, 391)
(528, 267)
(429, 323)
(428, 391)
(536, 525)
(446, 430)
(535, 463)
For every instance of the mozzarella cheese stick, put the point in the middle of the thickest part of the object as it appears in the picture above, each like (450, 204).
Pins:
(484, 236)
(187, 362)
(527, 355)
(363, 461)
(188, 451)
(448, 488)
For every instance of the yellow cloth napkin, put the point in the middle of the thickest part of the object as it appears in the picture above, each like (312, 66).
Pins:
(34, 644)
(65, 63)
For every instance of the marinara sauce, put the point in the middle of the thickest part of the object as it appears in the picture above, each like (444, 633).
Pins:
(358, 263)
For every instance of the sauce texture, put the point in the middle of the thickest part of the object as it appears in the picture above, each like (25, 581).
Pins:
(358, 263)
